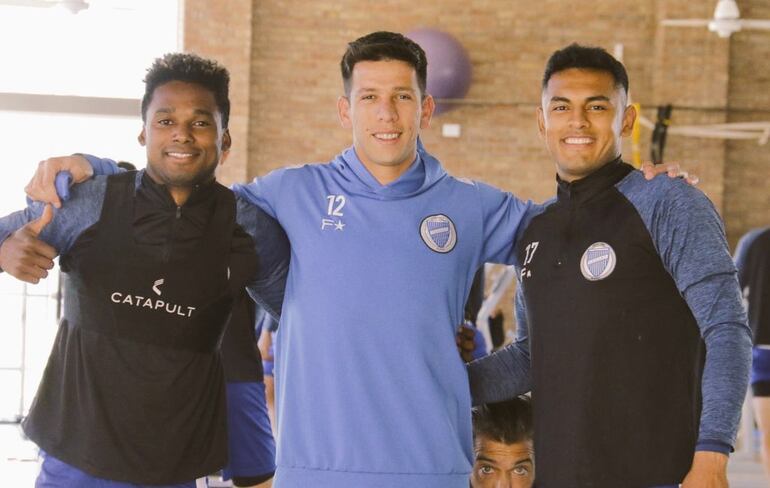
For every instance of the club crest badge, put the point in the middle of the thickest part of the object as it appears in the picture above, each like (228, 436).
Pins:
(598, 261)
(438, 233)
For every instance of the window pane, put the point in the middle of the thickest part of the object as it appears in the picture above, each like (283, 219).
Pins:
(102, 51)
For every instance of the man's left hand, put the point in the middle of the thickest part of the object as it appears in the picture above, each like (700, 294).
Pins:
(709, 470)
(673, 170)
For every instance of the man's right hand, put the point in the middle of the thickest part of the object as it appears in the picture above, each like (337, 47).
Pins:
(41, 187)
(24, 256)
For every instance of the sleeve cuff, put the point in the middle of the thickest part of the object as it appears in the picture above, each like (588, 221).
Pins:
(714, 446)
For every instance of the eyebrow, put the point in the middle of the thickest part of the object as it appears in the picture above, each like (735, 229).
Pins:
(197, 111)
(595, 98)
(397, 88)
(524, 461)
(486, 459)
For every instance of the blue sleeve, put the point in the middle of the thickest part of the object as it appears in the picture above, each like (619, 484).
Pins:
(506, 373)
(503, 217)
(689, 237)
(103, 166)
(273, 252)
(80, 212)
(263, 191)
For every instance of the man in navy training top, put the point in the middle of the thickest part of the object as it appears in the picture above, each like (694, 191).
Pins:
(620, 284)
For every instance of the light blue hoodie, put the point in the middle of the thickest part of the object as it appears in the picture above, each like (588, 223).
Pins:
(370, 389)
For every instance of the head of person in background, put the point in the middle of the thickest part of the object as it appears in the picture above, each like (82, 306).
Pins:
(584, 110)
(502, 445)
(385, 103)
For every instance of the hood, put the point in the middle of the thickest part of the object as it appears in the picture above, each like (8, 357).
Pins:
(424, 172)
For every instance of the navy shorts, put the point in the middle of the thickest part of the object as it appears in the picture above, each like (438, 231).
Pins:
(760, 371)
(251, 447)
(55, 473)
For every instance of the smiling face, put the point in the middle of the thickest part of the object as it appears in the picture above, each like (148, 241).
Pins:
(500, 465)
(582, 120)
(386, 111)
(184, 137)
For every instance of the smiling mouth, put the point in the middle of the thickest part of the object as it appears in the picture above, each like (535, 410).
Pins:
(578, 141)
(386, 136)
(180, 155)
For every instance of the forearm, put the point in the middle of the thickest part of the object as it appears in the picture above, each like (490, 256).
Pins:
(725, 379)
(502, 375)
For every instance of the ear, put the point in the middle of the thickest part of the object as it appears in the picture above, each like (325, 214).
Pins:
(428, 107)
(227, 143)
(541, 122)
(343, 111)
(141, 138)
(629, 117)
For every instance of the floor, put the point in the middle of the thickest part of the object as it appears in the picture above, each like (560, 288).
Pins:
(18, 463)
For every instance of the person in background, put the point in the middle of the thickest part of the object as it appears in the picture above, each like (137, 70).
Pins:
(504, 456)
(752, 257)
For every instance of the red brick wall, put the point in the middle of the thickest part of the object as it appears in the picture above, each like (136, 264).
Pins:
(284, 57)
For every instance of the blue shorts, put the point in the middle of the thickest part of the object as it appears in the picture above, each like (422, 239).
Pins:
(251, 448)
(58, 474)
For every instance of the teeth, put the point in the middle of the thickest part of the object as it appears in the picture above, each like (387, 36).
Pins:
(180, 155)
(578, 140)
(388, 137)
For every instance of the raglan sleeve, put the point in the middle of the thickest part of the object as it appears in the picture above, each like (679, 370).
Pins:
(69, 221)
(263, 191)
(690, 239)
(273, 253)
(103, 166)
(503, 216)
(506, 373)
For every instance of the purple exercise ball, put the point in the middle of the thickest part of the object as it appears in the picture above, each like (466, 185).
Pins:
(449, 69)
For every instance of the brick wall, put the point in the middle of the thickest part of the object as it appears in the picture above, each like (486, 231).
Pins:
(287, 52)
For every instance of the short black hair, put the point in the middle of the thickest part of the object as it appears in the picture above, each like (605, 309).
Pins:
(189, 68)
(506, 422)
(585, 57)
(380, 46)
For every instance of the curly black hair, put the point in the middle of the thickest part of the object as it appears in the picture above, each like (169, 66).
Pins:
(189, 68)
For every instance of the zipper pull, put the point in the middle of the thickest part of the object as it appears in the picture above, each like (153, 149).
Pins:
(178, 212)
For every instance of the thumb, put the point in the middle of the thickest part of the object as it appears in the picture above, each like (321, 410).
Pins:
(37, 225)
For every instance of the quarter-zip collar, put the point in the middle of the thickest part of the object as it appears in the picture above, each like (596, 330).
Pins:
(581, 190)
(159, 193)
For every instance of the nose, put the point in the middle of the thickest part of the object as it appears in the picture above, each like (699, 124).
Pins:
(182, 133)
(578, 119)
(386, 110)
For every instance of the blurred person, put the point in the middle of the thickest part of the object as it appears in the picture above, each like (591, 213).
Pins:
(752, 257)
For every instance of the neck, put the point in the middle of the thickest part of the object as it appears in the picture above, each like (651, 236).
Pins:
(179, 194)
(386, 174)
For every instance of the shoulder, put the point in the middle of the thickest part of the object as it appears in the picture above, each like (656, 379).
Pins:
(663, 193)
